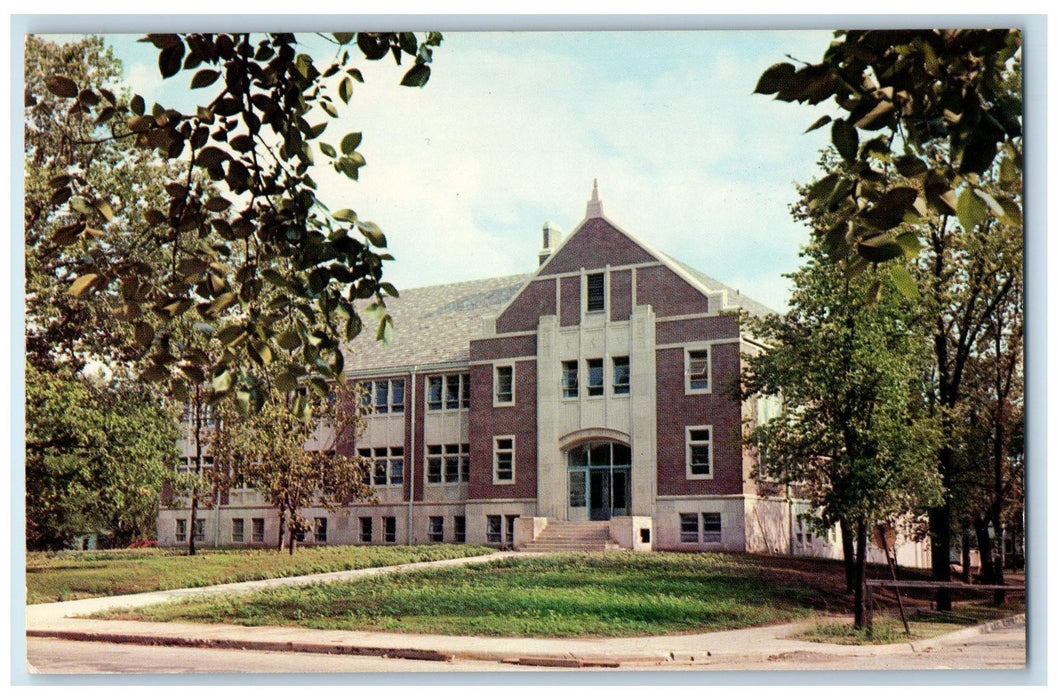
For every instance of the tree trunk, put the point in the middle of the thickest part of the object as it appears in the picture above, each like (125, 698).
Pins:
(282, 524)
(966, 554)
(848, 549)
(984, 546)
(191, 528)
(292, 542)
(861, 572)
(939, 548)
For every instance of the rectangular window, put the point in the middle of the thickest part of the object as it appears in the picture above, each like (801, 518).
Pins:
(460, 528)
(365, 529)
(689, 527)
(238, 533)
(503, 381)
(319, 530)
(711, 527)
(569, 379)
(257, 534)
(597, 292)
(181, 530)
(621, 375)
(434, 462)
(697, 369)
(384, 465)
(436, 533)
(396, 466)
(494, 529)
(383, 395)
(578, 489)
(503, 459)
(699, 452)
(433, 394)
(450, 392)
(595, 378)
(508, 530)
(200, 530)
(389, 529)
(448, 464)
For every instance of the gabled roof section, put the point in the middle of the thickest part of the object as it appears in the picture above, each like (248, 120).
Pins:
(432, 325)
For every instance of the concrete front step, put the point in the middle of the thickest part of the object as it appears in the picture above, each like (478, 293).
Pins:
(562, 536)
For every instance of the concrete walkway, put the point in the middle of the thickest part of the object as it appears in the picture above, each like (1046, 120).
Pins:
(757, 644)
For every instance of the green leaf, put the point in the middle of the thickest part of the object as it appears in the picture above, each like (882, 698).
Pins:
(328, 150)
(144, 334)
(876, 252)
(222, 382)
(345, 215)
(344, 37)
(350, 142)
(822, 121)
(286, 382)
(82, 283)
(385, 330)
(845, 139)
(345, 89)
(372, 233)
(203, 78)
(388, 289)
(289, 340)
(61, 86)
(903, 281)
(417, 76)
(774, 79)
(216, 204)
(329, 109)
(169, 59)
(970, 209)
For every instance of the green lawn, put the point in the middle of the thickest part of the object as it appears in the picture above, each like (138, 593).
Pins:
(612, 594)
(72, 575)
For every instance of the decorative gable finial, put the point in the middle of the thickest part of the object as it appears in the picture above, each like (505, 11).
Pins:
(594, 204)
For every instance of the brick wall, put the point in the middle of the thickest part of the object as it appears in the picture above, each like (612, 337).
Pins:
(676, 410)
(488, 421)
(524, 312)
(668, 293)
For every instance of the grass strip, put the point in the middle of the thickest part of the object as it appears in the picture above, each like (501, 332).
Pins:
(59, 576)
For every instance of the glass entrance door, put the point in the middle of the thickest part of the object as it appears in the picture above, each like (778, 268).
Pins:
(599, 481)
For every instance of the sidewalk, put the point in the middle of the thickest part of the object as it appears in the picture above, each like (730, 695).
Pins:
(58, 620)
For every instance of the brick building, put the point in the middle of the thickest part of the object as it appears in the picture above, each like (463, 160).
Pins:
(598, 389)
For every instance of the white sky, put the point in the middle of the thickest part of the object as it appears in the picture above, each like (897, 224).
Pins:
(513, 127)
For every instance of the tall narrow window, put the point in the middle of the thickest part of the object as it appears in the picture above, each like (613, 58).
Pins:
(389, 529)
(621, 375)
(465, 399)
(595, 378)
(436, 532)
(433, 394)
(699, 452)
(396, 395)
(504, 385)
(597, 292)
(238, 532)
(319, 530)
(494, 529)
(503, 459)
(569, 379)
(697, 370)
(181, 530)
(382, 397)
(452, 391)
(460, 528)
(396, 466)
(434, 462)
(365, 529)
(689, 527)
(257, 534)
(200, 530)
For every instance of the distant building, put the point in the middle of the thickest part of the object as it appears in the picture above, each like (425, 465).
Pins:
(599, 389)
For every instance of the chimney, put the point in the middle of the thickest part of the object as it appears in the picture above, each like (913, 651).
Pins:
(552, 237)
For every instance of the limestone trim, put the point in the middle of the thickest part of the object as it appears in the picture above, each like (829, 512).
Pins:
(578, 437)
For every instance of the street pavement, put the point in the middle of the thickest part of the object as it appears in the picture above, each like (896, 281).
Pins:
(744, 648)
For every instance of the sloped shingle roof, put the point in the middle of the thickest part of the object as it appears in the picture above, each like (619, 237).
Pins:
(433, 325)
